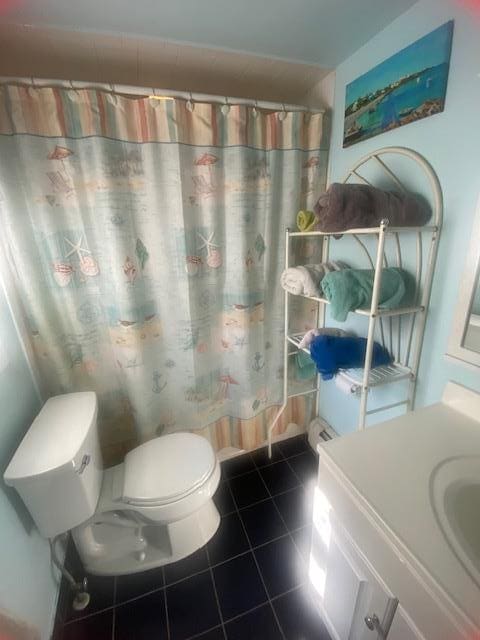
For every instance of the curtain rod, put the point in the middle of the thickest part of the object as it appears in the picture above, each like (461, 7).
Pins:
(122, 89)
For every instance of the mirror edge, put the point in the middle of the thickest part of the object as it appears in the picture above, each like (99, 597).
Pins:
(468, 281)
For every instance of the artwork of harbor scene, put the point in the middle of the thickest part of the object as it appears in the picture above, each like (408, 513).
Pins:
(406, 87)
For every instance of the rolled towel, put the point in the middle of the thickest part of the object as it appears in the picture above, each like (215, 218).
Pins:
(345, 385)
(354, 206)
(352, 289)
(307, 339)
(305, 280)
(331, 353)
(306, 220)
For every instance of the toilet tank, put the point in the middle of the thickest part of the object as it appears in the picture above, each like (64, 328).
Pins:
(57, 469)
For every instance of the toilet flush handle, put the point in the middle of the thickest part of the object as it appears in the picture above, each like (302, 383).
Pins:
(85, 462)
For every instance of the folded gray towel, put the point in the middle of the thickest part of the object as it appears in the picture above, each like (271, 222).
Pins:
(356, 206)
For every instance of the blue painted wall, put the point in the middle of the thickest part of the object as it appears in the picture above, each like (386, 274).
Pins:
(28, 590)
(451, 142)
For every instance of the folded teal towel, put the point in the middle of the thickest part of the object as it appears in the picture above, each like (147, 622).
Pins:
(351, 289)
(305, 366)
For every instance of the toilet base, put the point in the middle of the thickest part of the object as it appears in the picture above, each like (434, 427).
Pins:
(109, 549)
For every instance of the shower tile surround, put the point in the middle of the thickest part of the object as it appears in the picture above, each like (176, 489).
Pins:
(249, 581)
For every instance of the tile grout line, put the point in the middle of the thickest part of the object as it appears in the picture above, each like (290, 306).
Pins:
(240, 615)
(280, 493)
(114, 607)
(269, 464)
(281, 517)
(257, 565)
(237, 511)
(196, 573)
(222, 623)
(165, 602)
(202, 633)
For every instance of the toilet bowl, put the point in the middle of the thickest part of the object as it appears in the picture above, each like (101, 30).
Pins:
(153, 509)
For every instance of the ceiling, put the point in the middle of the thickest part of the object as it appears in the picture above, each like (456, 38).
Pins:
(322, 32)
(86, 56)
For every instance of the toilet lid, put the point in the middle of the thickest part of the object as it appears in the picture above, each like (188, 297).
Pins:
(166, 468)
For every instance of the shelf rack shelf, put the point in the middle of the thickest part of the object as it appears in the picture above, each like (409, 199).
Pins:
(407, 359)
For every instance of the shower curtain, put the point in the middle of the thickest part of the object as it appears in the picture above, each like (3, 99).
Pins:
(146, 241)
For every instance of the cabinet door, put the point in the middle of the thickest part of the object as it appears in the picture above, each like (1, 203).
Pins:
(348, 589)
(403, 627)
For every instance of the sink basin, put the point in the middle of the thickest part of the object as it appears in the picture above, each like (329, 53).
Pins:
(455, 497)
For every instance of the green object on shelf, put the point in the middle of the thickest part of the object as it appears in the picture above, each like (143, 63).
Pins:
(305, 366)
(306, 220)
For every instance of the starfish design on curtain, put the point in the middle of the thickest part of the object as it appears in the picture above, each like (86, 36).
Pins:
(77, 248)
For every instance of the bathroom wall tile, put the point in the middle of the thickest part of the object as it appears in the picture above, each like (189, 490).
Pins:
(280, 577)
(259, 624)
(229, 541)
(248, 489)
(142, 619)
(137, 584)
(279, 477)
(98, 626)
(194, 563)
(239, 586)
(262, 523)
(192, 606)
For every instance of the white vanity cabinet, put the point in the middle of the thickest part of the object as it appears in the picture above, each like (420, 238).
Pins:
(380, 565)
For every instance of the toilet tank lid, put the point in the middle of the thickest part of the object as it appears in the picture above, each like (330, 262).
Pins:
(55, 436)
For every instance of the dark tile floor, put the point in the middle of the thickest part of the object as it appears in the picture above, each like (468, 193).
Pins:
(249, 582)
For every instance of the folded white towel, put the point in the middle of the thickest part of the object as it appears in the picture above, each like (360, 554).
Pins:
(305, 279)
(307, 339)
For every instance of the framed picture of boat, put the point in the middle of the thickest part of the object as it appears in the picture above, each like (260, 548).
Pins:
(406, 87)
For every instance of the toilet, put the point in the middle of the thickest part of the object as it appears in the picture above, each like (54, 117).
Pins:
(153, 509)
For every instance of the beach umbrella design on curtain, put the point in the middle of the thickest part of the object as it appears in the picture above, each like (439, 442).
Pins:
(60, 153)
(224, 384)
(207, 160)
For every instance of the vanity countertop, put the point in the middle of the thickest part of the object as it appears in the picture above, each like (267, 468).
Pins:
(392, 465)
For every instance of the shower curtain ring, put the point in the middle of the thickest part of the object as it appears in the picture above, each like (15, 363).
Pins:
(154, 101)
(113, 94)
(190, 104)
(75, 89)
(255, 109)
(283, 113)
(225, 108)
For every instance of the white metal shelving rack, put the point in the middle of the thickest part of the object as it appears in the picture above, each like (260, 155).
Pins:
(403, 341)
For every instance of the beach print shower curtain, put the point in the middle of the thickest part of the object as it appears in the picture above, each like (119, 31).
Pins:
(146, 241)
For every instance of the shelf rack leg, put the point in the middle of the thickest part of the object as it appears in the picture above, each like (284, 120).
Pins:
(377, 283)
(417, 349)
(285, 351)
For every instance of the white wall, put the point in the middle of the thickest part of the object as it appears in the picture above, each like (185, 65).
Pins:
(451, 142)
(28, 590)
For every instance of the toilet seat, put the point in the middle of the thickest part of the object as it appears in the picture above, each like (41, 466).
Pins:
(167, 469)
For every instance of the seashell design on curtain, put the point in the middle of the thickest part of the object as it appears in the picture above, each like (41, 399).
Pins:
(147, 242)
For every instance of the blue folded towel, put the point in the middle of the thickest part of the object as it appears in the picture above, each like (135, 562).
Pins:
(331, 353)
